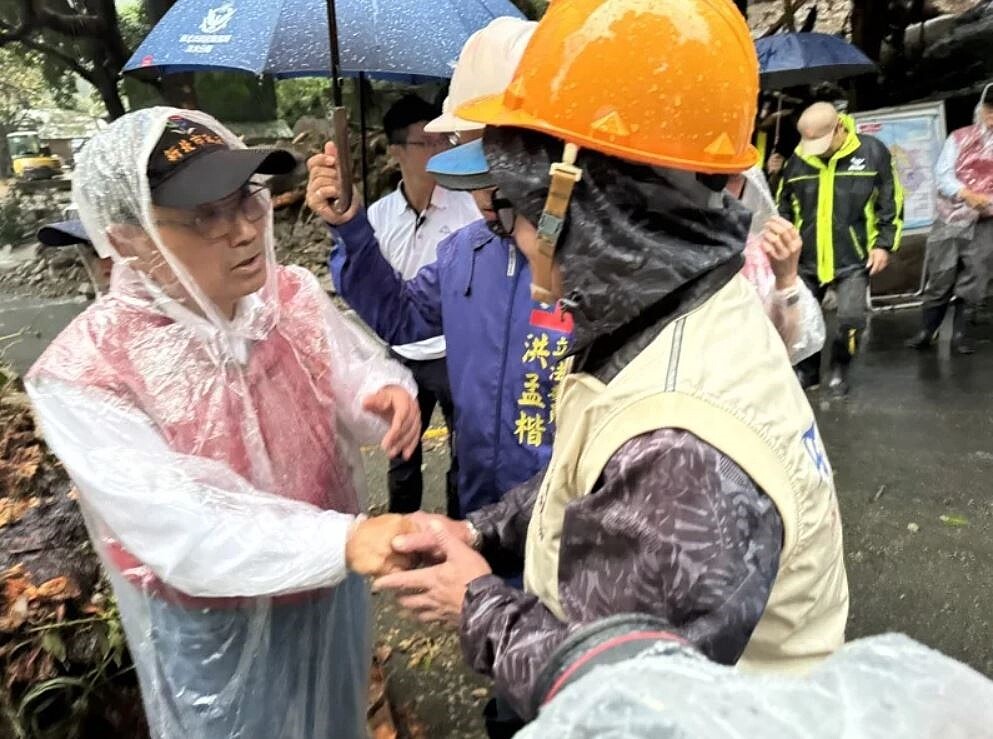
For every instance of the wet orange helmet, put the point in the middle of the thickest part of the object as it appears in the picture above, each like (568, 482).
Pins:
(672, 83)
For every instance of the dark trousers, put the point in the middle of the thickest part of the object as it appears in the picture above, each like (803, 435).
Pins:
(406, 484)
(853, 315)
(959, 267)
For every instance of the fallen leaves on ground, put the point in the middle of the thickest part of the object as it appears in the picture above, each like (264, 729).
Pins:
(954, 520)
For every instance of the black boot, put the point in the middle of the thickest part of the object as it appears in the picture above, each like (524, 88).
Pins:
(960, 339)
(838, 382)
(843, 350)
(808, 372)
(928, 335)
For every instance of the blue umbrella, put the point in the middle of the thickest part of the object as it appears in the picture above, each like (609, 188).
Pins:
(405, 40)
(794, 59)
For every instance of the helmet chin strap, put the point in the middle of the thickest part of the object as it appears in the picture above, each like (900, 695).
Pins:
(564, 176)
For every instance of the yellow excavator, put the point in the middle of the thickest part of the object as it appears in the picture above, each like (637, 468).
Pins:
(31, 160)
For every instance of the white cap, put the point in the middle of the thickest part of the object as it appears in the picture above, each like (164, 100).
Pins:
(817, 125)
(485, 67)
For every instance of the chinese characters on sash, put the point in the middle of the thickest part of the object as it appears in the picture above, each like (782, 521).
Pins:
(544, 369)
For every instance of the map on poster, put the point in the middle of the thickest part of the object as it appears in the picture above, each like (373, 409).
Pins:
(915, 135)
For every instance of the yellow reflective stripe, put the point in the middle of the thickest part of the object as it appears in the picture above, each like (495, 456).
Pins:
(815, 162)
(803, 177)
(851, 341)
(871, 227)
(855, 241)
(825, 213)
(857, 174)
(825, 225)
(797, 214)
(761, 141)
(898, 198)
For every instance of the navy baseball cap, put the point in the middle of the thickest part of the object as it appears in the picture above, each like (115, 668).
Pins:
(462, 168)
(192, 165)
(63, 233)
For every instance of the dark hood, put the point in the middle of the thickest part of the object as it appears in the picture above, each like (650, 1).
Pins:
(638, 240)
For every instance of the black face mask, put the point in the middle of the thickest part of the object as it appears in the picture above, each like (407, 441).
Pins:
(503, 226)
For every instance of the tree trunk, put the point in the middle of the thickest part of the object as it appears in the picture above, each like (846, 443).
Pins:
(869, 18)
(6, 169)
(869, 23)
(109, 93)
(789, 15)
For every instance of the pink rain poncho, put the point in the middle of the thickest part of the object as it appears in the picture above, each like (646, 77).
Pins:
(218, 467)
(969, 153)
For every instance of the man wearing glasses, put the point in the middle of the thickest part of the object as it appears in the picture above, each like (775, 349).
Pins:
(209, 409)
(409, 223)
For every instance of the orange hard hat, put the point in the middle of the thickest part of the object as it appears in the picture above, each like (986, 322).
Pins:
(672, 83)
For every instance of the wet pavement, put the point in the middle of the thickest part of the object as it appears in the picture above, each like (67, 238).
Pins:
(27, 325)
(912, 450)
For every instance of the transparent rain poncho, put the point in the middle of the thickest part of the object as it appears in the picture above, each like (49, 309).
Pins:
(973, 169)
(218, 467)
(880, 687)
(801, 325)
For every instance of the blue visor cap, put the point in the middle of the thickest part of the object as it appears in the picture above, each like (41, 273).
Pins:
(63, 233)
(462, 168)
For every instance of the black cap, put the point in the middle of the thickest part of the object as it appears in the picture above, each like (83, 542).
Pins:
(63, 233)
(192, 165)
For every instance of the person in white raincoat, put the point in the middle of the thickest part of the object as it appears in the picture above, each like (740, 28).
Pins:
(208, 409)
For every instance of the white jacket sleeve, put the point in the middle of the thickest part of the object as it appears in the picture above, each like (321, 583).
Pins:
(944, 170)
(362, 368)
(198, 525)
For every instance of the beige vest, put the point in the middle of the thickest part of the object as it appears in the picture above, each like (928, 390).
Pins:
(722, 373)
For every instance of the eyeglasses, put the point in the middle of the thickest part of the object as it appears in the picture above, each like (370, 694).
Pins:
(215, 221)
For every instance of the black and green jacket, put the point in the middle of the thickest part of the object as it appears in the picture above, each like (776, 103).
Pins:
(843, 207)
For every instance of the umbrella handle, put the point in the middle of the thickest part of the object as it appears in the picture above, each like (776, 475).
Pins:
(779, 117)
(339, 120)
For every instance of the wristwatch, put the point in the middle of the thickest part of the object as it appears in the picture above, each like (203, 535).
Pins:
(790, 296)
(475, 538)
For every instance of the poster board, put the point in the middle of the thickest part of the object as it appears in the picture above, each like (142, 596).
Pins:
(914, 135)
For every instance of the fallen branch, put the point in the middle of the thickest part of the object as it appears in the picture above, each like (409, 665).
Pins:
(784, 19)
(287, 199)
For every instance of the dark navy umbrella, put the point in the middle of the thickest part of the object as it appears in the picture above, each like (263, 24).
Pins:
(794, 59)
(406, 40)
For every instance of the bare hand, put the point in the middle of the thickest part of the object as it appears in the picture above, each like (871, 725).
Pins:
(324, 186)
(437, 593)
(775, 164)
(423, 542)
(369, 549)
(399, 409)
(879, 260)
(781, 242)
(975, 200)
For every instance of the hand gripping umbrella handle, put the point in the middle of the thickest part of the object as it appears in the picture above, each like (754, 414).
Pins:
(339, 119)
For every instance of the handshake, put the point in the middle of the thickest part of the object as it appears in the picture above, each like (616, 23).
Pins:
(426, 558)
